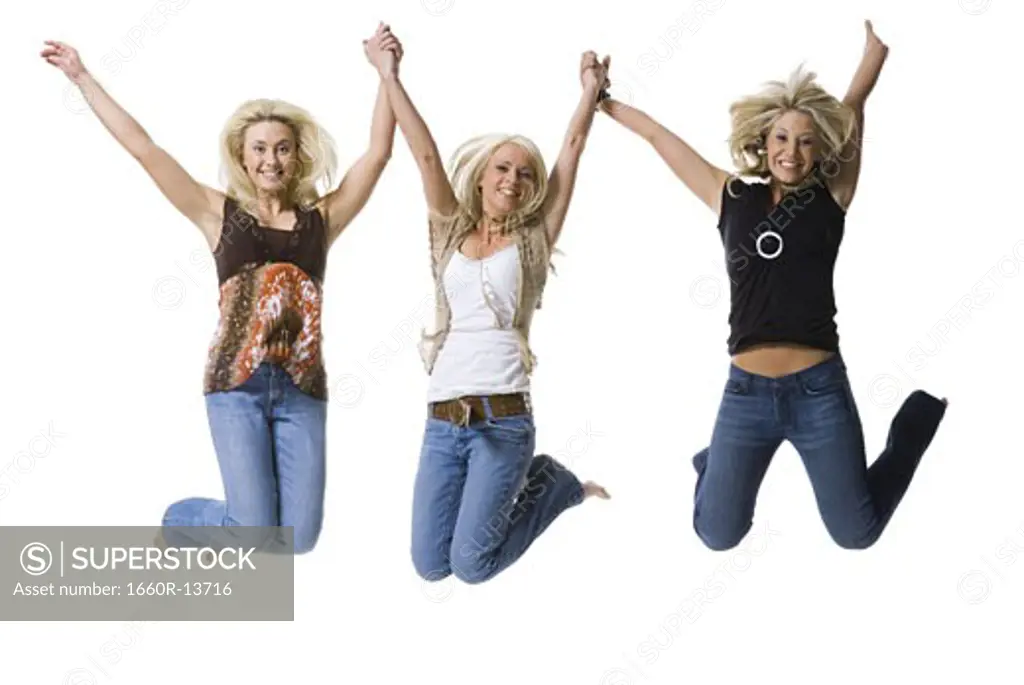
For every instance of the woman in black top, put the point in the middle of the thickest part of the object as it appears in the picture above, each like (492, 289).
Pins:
(787, 380)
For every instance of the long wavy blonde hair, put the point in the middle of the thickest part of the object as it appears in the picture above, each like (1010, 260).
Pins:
(753, 117)
(317, 158)
(466, 168)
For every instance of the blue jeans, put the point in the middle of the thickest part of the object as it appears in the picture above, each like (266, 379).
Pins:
(815, 411)
(270, 442)
(481, 497)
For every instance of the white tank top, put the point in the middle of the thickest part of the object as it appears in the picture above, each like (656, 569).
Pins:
(480, 355)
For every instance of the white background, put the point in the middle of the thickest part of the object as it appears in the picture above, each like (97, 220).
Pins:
(110, 302)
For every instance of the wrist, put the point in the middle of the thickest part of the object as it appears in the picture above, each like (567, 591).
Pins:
(83, 79)
(876, 53)
(608, 105)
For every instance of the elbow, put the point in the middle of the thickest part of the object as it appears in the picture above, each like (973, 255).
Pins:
(652, 132)
(427, 160)
(381, 154)
(142, 149)
(575, 143)
(382, 146)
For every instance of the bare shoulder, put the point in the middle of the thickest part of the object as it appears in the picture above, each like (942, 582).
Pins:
(727, 187)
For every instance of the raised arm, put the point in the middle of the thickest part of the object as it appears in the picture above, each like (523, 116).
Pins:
(343, 204)
(593, 76)
(203, 206)
(844, 184)
(439, 193)
(701, 177)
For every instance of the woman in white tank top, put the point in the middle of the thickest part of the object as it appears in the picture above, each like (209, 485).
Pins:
(481, 495)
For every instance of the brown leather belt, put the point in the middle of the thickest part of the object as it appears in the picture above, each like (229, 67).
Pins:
(465, 410)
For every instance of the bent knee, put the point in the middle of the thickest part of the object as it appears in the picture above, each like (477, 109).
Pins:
(432, 575)
(305, 545)
(429, 565)
(720, 535)
(852, 529)
(472, 564)
(472, 574)
(720, 543)
(431, 571)
(853, 541)
(305, 538)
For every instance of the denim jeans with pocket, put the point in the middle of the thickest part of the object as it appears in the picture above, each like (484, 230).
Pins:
(481, 497)
(815, 411)
(269, 437)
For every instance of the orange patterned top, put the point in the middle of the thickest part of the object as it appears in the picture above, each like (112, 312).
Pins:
(270, 301)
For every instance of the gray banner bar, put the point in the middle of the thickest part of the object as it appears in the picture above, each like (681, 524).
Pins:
(85, 573)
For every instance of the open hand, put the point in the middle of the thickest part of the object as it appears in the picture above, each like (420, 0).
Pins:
(383, 50)
(65, 58)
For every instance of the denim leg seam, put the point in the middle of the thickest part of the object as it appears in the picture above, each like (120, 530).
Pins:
(499, 556)
(448, 530)
(493, 559)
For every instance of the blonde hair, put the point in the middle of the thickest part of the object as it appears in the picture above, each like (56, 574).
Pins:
(467, 166)
(753, 117)
(315, 152)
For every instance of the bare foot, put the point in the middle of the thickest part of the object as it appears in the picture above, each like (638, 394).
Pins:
(590, 488)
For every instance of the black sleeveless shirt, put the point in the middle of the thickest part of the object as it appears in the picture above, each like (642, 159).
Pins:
(245, 243)
(781, 260)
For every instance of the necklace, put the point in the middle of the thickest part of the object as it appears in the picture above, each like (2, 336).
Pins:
(487, 233)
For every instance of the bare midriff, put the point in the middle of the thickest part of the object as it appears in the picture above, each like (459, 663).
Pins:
(779, 359)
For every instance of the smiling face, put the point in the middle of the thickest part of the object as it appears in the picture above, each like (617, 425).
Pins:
(791, 147)
(508, 177)
(269, 156)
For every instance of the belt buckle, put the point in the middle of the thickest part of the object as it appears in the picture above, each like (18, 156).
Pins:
(467, 412)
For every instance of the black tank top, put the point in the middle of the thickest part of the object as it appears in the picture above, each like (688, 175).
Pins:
(244, 242)
(781, 260)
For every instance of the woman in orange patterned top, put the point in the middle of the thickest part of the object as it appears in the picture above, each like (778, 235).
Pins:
(265, 384)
